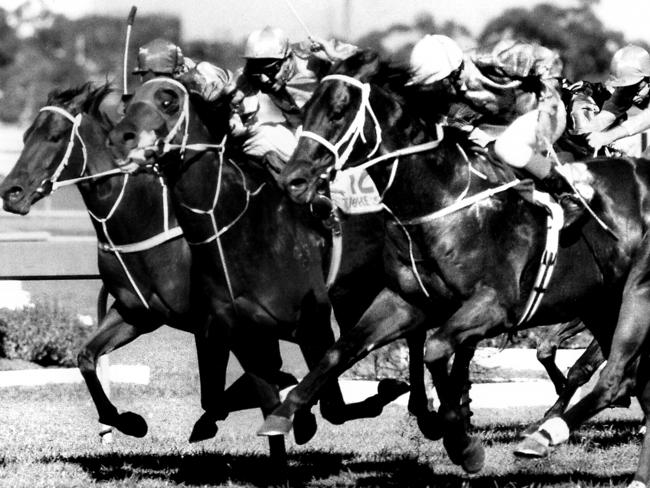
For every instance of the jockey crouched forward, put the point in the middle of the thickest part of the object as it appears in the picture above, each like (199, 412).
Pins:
(507, 98)
(288, 74)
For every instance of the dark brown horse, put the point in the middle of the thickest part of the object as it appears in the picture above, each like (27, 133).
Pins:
(144, 261)
(259, 256)
(473, 265)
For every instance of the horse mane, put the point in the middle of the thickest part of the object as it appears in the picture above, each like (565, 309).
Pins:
(214, 114)
(92, 96)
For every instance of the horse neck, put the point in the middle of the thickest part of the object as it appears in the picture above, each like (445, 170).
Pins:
(200, 178)
(132, 207)
(432, 178)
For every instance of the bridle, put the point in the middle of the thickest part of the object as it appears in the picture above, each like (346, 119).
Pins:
(356, 129)
(53, 181)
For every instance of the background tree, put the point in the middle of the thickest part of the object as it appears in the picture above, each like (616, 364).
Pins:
(585, 45)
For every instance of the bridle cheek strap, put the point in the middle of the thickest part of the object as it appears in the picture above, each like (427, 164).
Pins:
(76, 122)
(355, 131)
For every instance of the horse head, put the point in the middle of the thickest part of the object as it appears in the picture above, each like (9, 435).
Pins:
(159, 119)
(340, 126)
(60, 144)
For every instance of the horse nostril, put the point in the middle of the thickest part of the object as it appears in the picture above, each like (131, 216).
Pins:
(128, 137)
(14, 193)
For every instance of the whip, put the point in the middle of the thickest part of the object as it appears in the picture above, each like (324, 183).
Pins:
(129, 26)
(297, 16)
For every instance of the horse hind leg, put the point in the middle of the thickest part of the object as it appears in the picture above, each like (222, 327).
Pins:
(579, 373)
(614, 382)
(547, 349)
(113, 333)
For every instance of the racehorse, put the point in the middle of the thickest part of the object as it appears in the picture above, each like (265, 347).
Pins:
(260, 256)
(466, 248)
(143, 259)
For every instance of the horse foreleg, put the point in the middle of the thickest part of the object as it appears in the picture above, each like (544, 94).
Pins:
(418, 404)
(387, 319)
(213, 352)
(642, 475)
(477, 316)
(113, 333)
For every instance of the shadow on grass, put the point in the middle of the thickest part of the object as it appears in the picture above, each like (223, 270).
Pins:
(603, 434)
(306, 469)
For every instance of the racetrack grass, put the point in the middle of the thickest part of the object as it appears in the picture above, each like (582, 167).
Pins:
(49, 439)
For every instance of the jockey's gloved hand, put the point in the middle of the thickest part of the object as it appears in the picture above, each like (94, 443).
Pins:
(599, 139)
(270, 137)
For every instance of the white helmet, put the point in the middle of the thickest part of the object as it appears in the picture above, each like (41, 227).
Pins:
(267, 43)
(630, 65)
(434, 57)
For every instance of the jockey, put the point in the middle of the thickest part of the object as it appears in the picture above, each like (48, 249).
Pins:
(630, 77)
(288, 74)
(507, 97)
(163, 58)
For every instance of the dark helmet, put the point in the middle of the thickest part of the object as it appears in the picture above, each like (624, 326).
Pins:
(160, 57)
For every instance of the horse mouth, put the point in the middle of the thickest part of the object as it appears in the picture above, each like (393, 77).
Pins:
(16, 201)
(300, 190)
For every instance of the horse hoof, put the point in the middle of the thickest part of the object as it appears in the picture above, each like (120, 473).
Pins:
(205, 428)
(533, 446)
(275, 425)
(304, 427)
(430, 425)
(530, 430)
(470, 457)
(390, 389)
(132, 424)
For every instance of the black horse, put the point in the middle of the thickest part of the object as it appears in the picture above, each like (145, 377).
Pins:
(260, 257)
(143, 259)
(476, 257)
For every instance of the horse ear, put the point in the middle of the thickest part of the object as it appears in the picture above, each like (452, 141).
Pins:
(369, 64)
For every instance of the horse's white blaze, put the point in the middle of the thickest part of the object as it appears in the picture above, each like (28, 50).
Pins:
(146, 139)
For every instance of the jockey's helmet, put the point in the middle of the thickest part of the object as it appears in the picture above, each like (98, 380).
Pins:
(267, 43)
(630, 65)
(434, 57)
(160, 57)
